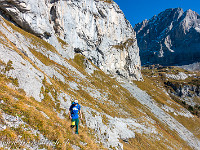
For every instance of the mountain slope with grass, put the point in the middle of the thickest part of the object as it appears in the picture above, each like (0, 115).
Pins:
(38, 84)
(182, 85)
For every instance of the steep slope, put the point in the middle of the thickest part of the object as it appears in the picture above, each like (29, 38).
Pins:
(182, 85)
(96, 29)
(37, 85)
(171, 38)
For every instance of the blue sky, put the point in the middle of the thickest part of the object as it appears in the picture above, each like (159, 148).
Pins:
(138, 10)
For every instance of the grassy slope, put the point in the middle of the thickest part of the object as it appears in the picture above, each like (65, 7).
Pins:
(154, 81)
(55, 129)
(16, 103)
(58, 129)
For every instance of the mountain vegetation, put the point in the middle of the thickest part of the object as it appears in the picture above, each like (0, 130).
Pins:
(47, 63)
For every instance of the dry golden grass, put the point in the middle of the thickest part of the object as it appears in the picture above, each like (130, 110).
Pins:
(121, 96)
(140, 142)
(124, 45)
(42, 57)
(36, 41)
(63, 43)
(56, 129)
(191, 124)
(107, 1)
(153, 85)
(33, 117)
(151, 88)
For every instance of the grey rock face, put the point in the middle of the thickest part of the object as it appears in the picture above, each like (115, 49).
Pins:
(96, 29)
(171, 38)
(192, 67)
(179, 76)
(184, 90)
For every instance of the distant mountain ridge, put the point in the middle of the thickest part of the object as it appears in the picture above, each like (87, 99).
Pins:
(171, 38)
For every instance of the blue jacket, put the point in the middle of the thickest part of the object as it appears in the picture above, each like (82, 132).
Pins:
(74, 110)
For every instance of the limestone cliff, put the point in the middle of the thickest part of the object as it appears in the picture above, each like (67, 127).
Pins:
(96, 29)
(170, 38)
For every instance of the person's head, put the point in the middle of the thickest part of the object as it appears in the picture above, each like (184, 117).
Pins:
(76, 102)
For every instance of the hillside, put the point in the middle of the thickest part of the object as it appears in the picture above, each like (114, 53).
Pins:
(45, 65)
(182, 85)
(38, 85)
(170, 38)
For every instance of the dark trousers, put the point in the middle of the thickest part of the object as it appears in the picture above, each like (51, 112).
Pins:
(76, 124)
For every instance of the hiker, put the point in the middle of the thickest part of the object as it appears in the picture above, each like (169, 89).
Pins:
(74, 111)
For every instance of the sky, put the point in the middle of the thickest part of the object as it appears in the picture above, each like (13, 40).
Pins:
(138, 10)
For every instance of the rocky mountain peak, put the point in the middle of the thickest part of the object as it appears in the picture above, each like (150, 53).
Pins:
(171, 13)
(191, 20)
(171, 33)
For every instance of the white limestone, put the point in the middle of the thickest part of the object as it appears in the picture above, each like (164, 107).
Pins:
(16, 122)
(164, 117)
(116, 129)
(89, 27)
(179, 76)
(183, 111)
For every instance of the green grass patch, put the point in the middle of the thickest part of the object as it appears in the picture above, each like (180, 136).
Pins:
(63, 43)
(124, 45)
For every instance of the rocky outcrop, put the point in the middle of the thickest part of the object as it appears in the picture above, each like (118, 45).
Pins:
(188, 90)
(96, 29)
(179, 76)
(192, 67)
(171, 38)
(184, 90)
